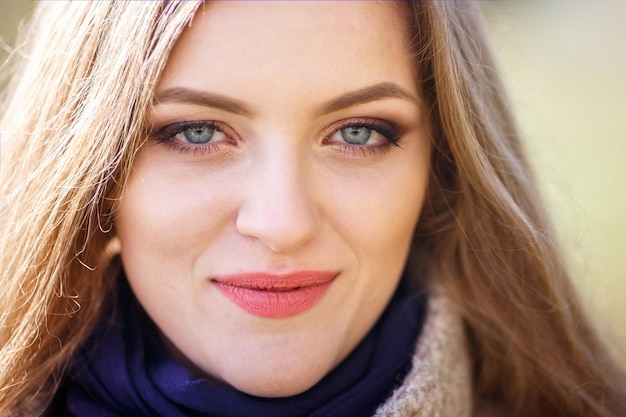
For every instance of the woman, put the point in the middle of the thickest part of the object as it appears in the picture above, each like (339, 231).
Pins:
(306, 208)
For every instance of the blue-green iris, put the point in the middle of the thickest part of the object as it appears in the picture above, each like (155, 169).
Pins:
(356, 135)
(200, 134)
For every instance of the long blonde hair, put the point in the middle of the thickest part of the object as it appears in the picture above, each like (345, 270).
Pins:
(72, 123)
(75, 116)
(486, 236)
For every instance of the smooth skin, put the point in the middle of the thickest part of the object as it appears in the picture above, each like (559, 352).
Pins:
(271, 153)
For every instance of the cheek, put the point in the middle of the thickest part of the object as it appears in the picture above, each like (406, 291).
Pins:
(164, 223)
(379, 212)
(165, 215)
(150, 221)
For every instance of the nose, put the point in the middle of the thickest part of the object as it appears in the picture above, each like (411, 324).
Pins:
(278, 209)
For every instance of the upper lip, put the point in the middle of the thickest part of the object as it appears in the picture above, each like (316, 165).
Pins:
(277, 282)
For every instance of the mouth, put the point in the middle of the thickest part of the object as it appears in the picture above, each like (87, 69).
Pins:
(275, 295)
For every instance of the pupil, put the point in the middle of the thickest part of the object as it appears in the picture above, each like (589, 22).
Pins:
(356, 135)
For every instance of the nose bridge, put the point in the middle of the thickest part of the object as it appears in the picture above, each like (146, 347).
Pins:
(278, 208)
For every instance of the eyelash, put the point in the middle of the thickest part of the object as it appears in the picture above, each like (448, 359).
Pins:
(391, 134)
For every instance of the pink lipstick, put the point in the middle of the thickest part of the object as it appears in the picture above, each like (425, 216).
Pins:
(275, 295)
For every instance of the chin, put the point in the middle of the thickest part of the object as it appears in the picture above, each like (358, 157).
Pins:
(276, 389)
(277, 381)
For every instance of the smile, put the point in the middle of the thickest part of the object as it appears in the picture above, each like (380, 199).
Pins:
(276, 296)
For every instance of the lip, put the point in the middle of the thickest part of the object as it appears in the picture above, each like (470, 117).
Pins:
(275, 295)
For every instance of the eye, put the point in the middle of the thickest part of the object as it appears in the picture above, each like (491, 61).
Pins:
(198, 136)
(364, 133)
(196, 133)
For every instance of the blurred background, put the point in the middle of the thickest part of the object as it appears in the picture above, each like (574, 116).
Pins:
(564, 62)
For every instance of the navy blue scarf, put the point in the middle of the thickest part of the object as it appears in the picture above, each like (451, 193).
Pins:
(124, 370)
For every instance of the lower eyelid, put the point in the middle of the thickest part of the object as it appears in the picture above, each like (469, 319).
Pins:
(363, 151)
(197, 150)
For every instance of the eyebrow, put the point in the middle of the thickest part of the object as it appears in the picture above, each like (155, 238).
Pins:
(368, 94)
(202, 98)
(364, 95)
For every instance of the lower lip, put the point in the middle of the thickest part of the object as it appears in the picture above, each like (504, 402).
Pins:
(270, 303)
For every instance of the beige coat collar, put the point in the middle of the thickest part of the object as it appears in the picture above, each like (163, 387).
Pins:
(439, 383)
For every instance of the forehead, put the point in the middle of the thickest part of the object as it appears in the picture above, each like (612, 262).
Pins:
(325, 40)
(324, 19)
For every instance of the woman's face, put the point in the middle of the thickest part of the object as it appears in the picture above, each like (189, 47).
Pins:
(269, 215)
